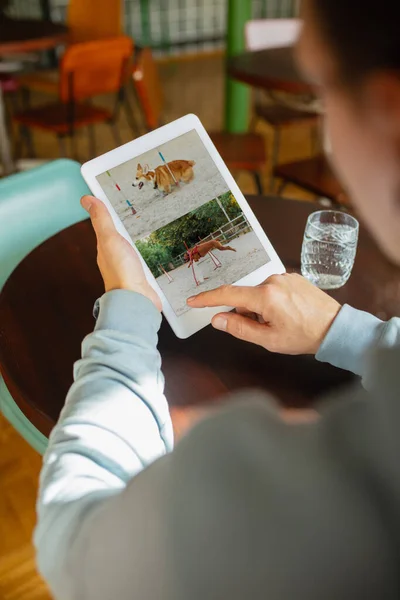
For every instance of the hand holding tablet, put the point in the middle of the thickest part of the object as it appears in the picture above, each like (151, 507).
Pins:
(173, 199)
(118, 262)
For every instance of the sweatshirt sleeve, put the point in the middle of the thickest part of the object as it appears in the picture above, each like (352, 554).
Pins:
(245, 506)
(115, 422)
(353, 336)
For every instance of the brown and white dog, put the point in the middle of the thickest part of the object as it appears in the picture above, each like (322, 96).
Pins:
(201, 250)
(166, 176)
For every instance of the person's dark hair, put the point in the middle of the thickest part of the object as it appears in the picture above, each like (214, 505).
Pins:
(364, 36)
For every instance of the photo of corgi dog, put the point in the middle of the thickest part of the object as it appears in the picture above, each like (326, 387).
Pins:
(165, 176)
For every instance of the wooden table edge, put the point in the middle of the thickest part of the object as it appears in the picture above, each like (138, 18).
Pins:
(269, 83)
(31, 411)
(33, 45)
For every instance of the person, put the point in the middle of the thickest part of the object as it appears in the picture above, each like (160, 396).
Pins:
(250, 503)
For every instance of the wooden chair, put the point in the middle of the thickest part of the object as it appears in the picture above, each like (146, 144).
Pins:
(243, 151)
(9, 89)
(87, 20)
(314, 175)
(95, 19)
(87, 69)
(276, 33)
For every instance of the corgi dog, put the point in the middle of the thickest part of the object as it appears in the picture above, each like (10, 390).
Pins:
(166, 176)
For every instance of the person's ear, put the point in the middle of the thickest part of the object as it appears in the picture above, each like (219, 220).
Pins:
(383, 98)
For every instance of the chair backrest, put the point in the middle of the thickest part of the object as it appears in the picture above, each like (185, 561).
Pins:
(91, 68)
(36, 204)
(94, 19)
(148, 87)
(263, 34)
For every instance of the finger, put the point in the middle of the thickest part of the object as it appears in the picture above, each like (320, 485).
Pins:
(241, 327)
(242, 310)
(228, 295)
(102, 222)
(246, 313)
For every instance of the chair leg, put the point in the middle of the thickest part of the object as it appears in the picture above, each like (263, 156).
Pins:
(73, 146)
(25, 98)
(27, 135)
(253, 122)
(281, 187)
(92, 141)
(62, 145)
(11, 105)
(114, 129)
(258, 182)
(315, 134)
(143, 127)
(275, 156)
(130, 117)
(19, 144)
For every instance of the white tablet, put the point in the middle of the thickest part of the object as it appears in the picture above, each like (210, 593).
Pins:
(172, 197)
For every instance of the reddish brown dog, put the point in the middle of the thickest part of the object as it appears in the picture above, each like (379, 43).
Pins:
(201, 250)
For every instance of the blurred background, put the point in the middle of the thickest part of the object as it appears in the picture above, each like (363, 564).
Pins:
(188, 40)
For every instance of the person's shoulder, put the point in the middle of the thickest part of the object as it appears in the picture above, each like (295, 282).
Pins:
(244, 412)
(230, 441)
(217, 480)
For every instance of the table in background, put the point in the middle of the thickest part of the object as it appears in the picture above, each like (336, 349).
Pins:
(46, 310)
(19, 36)
(237, 96)
(271, 69)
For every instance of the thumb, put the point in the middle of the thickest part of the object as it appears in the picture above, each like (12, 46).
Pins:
(241, 327)
(102, 222)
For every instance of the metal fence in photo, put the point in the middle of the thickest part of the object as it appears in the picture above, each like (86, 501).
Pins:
(224, 234)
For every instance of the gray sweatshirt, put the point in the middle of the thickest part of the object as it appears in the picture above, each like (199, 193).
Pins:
(246, 506)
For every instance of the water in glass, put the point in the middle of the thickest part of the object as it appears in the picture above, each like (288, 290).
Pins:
(329, 248)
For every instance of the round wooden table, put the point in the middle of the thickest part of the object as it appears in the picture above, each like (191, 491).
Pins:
(272, 69)
(23, 35)
(46, 310)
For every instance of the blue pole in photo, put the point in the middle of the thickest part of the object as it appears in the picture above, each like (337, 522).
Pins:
(168, 167)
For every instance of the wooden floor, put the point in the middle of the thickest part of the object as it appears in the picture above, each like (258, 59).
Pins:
(189, 87)
(19, 471)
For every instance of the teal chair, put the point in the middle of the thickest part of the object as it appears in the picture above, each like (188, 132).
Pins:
(49, 197)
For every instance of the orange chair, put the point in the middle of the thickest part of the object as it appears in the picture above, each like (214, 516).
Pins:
(240, 151)
(87, 69)
(94, 19)
(87, 20)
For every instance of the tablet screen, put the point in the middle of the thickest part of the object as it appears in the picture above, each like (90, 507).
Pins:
(184, 219)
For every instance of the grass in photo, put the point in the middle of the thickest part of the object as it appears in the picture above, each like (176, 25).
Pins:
(207, 247)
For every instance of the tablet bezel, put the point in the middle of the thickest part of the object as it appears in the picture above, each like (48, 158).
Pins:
(195, 319)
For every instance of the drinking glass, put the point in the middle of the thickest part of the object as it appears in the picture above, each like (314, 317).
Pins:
(329, 248)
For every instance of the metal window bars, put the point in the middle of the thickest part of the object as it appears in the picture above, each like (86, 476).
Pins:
(168, 26)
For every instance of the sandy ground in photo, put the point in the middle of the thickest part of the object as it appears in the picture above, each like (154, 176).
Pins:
(249, 256)
(154, 210)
